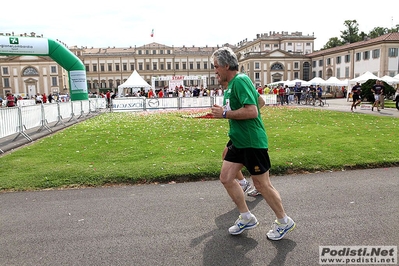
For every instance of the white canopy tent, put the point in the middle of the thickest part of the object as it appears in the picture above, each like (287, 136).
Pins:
(135, 81)
(292, 83)
(390, 80)
(364, 77)
(317, 81)
(333, 81)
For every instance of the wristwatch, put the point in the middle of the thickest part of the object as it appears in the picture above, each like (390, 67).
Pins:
(224, 114)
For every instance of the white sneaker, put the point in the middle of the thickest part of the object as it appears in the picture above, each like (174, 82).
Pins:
(240, 225)
(247, 187)
(279, 230)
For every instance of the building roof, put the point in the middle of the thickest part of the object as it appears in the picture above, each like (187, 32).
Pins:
(394, 37)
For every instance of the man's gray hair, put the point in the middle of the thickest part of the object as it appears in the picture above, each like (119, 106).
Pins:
(225, 56)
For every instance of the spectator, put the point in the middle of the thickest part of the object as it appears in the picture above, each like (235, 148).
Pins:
(281, 94)
(160, 93)
(10, 100)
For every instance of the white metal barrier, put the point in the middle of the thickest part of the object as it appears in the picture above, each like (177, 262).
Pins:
(143, 104)
(24, 117)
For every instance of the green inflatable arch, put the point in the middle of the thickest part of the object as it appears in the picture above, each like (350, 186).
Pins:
(15, 45)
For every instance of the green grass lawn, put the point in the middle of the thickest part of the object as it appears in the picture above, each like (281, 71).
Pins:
(132, 148)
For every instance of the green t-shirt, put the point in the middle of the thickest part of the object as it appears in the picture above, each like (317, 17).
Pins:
(249, 133)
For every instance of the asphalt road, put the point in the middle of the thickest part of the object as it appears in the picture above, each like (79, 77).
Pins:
(186, 223)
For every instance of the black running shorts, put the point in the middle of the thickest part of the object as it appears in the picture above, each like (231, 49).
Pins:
(256, 161)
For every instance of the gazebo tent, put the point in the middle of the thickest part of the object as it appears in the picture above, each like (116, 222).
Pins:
(135, 81)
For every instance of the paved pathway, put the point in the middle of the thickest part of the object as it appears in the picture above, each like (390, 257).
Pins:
(186, 223)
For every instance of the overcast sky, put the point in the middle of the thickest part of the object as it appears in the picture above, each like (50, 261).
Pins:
(176, 22)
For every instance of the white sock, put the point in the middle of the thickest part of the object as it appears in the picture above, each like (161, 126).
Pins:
(246, 215)
(242, 182)
(283, 220)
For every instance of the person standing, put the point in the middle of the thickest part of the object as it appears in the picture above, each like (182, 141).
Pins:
(356, 100)
(108, 98)
(249, 146)
(319, 95)
(160, 93)
(10, 100)
(378, 90)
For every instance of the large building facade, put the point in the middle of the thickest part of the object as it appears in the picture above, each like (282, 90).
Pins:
(268, 58)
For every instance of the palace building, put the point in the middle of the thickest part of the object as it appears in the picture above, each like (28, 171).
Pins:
(268, 58)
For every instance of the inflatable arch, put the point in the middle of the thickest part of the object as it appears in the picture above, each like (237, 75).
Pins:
(16, 45)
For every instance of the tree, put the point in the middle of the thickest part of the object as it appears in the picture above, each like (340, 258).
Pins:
(332, 42)
(377, 31)
(351, 34)
(395, 29)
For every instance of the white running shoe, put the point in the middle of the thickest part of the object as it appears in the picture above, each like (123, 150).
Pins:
(240, 225)
(254, 193)
(247, 187)
(279, 230)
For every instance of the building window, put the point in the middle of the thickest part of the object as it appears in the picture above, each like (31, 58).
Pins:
(257, 76)
(169, 66)
(198, 65)
(277, 66)
(54, 81)
(289, 44)
(308, 44)
(177, 66)
(117, 67)
(140, 52)
(147, 52)
(124, 67)
(393, 52)
(205, 65)
(376, 53)
(30, 71)
(320, 73)
(109, 67)
(320, 63)
(102, 67)
(140, 66)
(154, 51)
(184, 65)
(168, 52)
(53, 69)
(191, 65)
(347, 58)
(328, 61)
(366, 55)
(161, 66)
(154, 66)
(257, 65)
(358, 56)
(87, 68)
(338, 59)
(94, 67)
(296, 65)
(6, 82)
(296, 75)
(275, 45)
(5, 70)
(314, 63)
(132, 67)
(346, 72)
(147, 67)
(161, 51)
(306, 71)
